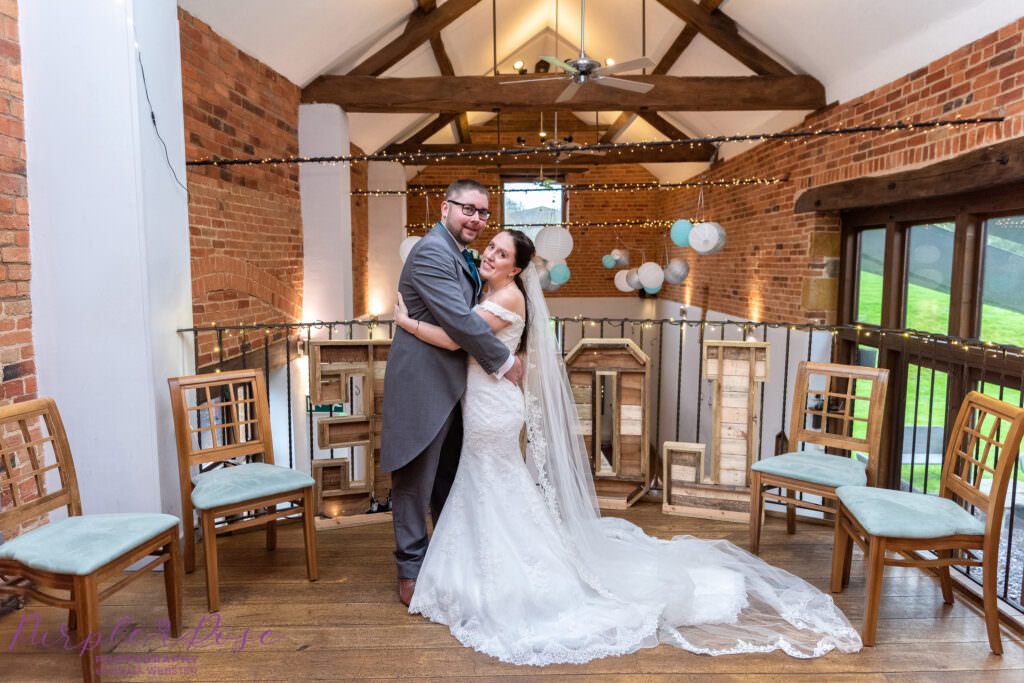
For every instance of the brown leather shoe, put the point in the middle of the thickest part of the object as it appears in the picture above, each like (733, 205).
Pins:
(406, 587)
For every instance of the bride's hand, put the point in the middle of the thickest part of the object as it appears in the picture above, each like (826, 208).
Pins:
(401, 313)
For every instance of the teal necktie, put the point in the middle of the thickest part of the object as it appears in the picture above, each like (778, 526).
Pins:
(468, 255)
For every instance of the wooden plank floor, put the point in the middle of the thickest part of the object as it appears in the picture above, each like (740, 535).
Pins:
(350, 625)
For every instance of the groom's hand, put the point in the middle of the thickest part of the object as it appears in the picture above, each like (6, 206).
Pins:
(515, 373)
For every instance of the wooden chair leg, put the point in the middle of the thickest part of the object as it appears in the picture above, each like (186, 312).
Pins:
(873, 572)
(210, 550)
(944, 578)
(847, 559)
(72, 615)
(172, 583)
(188, 522)
(756, 511)
(272, 529)
(309, 535)
(790, 512)
(840, 542)
(87, 607)
(989, 570)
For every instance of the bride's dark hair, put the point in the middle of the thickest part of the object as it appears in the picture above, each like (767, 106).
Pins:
(524, 254)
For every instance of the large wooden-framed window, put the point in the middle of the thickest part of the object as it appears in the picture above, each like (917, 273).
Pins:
(949, 266)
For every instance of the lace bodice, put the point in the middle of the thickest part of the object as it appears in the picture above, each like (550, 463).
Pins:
(509, 335)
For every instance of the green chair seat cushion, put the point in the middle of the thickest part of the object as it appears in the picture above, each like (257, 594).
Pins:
(227, 485)
(80, 545)
(900, 514)
(817, 468)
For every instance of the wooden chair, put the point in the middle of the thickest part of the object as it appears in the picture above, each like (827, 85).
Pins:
(828, 421)
(983, 444)
(77, 554)
(225, 418)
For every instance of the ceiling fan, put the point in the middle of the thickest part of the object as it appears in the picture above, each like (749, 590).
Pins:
(583, 70)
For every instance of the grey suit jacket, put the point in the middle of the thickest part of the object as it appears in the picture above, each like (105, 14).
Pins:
(423, 382)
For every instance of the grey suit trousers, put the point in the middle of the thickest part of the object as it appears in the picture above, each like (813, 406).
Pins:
(426, 479)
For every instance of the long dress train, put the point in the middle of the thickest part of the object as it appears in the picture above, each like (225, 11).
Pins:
(511, 577)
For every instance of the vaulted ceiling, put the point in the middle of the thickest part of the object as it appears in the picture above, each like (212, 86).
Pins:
(722, 67)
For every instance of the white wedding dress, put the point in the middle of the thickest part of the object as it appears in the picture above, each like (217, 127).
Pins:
(511, 576)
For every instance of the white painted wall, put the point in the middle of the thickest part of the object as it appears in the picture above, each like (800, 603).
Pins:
(387, 218)
(109, 231)
(326, 214)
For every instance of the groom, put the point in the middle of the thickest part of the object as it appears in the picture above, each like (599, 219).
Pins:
(422, 428)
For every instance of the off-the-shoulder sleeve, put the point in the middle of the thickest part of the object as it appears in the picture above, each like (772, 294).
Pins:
(503, 313)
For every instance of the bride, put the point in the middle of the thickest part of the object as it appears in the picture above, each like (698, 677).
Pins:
(522, 567)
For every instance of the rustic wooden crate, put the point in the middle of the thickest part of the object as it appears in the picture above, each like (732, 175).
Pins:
(331, 479)
(345, 431)
(709, 501)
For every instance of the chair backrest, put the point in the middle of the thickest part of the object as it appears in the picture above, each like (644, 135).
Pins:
(844, 409)
(983, 445)
(33, 443)
(220, 416)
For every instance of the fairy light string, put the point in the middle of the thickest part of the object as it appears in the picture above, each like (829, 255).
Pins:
(423, 190)
(618, 147)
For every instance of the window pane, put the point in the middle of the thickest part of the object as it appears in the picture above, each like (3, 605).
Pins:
(869, 277)
(929, 270)
(533, 205)
(1002, 307)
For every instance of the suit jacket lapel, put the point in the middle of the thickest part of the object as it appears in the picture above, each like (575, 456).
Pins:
(450, 241)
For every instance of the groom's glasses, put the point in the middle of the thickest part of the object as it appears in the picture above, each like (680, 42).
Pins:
(469, 210)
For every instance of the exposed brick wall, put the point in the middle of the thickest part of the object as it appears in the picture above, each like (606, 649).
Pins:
(780, 266)
(17, 357)
(589, 277)
(245, 223)
(360, 238)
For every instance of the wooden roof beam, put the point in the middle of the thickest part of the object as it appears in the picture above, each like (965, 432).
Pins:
(444, 63)
(457, 94)
(682, 41)
(666, 62)
(723, 32)
(423, 25)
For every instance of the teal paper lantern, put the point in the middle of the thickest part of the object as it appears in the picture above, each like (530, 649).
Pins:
(608, 261)
(560, 274)
(680, 232)
(652, 290)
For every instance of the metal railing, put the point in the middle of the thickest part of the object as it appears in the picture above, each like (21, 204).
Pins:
(927, 368)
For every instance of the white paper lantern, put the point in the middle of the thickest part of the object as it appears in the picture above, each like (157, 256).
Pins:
(621, 257)
(707, 238)
(633, 279)
(620, 281)
(552, 287)
(651, 275)
(406, 246)
(676, 271)
(554, 243)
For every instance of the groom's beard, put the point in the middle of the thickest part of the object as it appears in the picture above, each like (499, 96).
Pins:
(458, 233)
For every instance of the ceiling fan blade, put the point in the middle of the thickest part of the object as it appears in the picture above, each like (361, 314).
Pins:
(638, 63)
(533, 80)
(623, 84)
(560, 64)
(569, 92)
